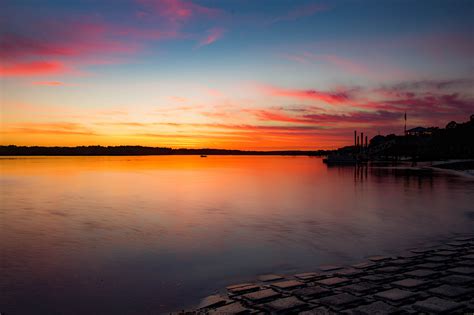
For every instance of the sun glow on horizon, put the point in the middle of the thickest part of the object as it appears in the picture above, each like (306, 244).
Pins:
(249, 76)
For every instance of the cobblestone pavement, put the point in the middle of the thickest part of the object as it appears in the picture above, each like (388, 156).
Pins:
(433, 279)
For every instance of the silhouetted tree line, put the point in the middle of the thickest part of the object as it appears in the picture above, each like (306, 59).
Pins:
(454, 141)
(138, 150)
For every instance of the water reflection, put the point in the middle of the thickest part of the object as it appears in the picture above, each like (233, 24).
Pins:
(151, 234)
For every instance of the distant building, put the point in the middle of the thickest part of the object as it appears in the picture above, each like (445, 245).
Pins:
(419, 131)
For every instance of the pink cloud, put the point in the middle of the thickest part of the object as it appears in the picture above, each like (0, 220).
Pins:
(357, 117)
(276, 115)
(214, 92)
(90, 40)
(178, 99)
(75, 45)
(336, 97)
(80, 39)
(347, 64)
(48, 83)
(33, 68)
(301, 11)
(212, 36)
(177, 11)
(59, 128)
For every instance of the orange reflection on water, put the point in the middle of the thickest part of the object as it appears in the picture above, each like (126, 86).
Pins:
(174, 228)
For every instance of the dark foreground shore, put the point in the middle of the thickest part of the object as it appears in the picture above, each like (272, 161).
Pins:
(438, 278)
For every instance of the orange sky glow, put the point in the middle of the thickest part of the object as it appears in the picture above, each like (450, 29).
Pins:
(182, 73)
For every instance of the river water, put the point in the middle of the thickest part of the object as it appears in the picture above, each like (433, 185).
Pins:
(153, 234)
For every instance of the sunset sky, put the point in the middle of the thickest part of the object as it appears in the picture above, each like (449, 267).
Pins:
(241, 74)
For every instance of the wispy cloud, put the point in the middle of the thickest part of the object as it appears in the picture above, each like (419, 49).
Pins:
(177, 11)
(60, 128)
(213, 35)
(48, 83)
(334, 97)
(33, 68)
(76, 42)
(300, 12)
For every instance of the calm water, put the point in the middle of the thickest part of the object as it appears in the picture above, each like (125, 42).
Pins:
(153, 234)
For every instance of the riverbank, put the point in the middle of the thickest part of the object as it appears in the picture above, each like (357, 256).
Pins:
(458, 167)
(464, 168)
(436, 278)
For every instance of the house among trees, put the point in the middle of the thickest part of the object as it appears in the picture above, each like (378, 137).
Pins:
(420, 131)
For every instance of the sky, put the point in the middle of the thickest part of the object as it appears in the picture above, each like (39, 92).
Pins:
(234, 74)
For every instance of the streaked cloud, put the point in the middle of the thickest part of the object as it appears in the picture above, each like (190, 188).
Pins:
(333, 97)
(212, 36)
(78, 42)
(48, 83)
(301, 12)
(33, 68)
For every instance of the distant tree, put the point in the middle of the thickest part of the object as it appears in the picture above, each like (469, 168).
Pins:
(451, 125)
(377, 140)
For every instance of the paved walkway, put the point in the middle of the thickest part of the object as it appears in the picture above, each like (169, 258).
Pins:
(435, 279)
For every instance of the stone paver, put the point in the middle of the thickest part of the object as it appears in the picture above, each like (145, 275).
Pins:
(409, 283)
(421, 250)
(379, 258)
(288, 284)
(463, 270)
(400, 262)
(318, 311)
(333, 281)
(234, 308)
(457, 280)
(261, 296)
(395, 295)
(465, 263)
(379, 278)
(446, 253)
(458, 243)
(377, 308)
(389, 269)
(329, 267)
(308, 276)
(339, 300)
(284, 305)
(312, 292)
(436, 305)
(409, 255)
(438, 259)
(269, 277)
(242, 288)
(450, 291)
(349, 272)
(464, 238)
(235, 286)
(364, 265)
(421, 273)
(435, 279)
(361, 287)
(213, 301)
(431, 266)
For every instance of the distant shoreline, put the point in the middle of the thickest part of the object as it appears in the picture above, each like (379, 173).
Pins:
(13, 150)
(461, 167)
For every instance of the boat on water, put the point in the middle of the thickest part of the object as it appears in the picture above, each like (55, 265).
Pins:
(203, 156)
